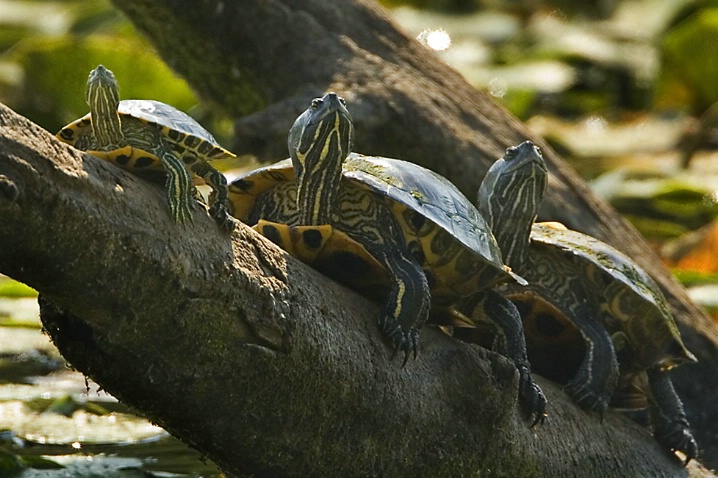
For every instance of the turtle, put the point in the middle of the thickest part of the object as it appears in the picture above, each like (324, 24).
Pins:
(389, 228)
(586, 303)
(152, 139)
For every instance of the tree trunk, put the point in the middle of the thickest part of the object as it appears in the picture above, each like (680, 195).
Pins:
(262, 364)
(406, 103)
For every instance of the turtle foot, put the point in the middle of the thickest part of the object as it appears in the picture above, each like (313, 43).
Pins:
(406, 341)
(588, 398)
(670, 425)
(676, 436)
(220, 213)
(531, 397)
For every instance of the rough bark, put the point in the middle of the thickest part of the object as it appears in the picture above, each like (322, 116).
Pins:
(263, 365)
(406, 103)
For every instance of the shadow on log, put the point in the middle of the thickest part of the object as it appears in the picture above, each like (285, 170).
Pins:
(257, 361)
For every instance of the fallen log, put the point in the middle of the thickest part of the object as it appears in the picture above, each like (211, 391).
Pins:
(254, 359)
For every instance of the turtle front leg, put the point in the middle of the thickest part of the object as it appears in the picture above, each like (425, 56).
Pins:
(179, 187)
(407, 306)
(670, 425)
(503, 313)
(218, 202)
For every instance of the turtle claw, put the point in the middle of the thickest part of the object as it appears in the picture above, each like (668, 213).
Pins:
(676, 436)
(406, 341)
(588, 398)
(220, 213)
(532, 398)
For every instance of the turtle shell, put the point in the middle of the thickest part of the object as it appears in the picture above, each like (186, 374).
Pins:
(411, 190)
(631, 296)
(182, 131)
(432, 196)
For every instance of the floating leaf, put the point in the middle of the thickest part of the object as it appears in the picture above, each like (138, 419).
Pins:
(595, 137)
(660, 204)
(81, 426)
(80, 466)
(66, 405)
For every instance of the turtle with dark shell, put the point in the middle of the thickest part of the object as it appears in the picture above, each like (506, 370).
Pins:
(151, 139)
(587, 305)
(385, 227)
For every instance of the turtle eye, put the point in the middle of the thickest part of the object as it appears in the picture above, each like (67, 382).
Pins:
(316, 102)
(511, 152)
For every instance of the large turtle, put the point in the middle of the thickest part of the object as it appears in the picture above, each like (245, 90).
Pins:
(145, 137)
(585, 300)
(360, 218)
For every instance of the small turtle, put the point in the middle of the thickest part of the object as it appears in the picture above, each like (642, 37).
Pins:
(586, 302)
(146, 137)
(361, 219)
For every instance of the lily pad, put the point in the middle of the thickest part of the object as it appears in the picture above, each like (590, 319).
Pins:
(595, 137)
(81, 427)
(660, 204)
(98, 466)
(19, 340)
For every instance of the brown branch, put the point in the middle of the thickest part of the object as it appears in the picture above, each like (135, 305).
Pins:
(257, 361)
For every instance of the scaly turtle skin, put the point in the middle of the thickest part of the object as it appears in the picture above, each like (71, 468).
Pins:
(582, 288)
(388, 228)
(151, 139)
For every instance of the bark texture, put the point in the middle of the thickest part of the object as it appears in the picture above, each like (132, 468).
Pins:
(263, 365)
(275, 55)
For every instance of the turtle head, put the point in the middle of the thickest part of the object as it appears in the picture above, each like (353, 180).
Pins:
(102, 95)
(319, 141)
(102, 89)
(509, 198)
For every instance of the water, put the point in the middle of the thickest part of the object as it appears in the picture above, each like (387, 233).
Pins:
(55, 422)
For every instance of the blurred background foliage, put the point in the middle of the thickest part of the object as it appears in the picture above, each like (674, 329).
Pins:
(625, 90)
(47, 49)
